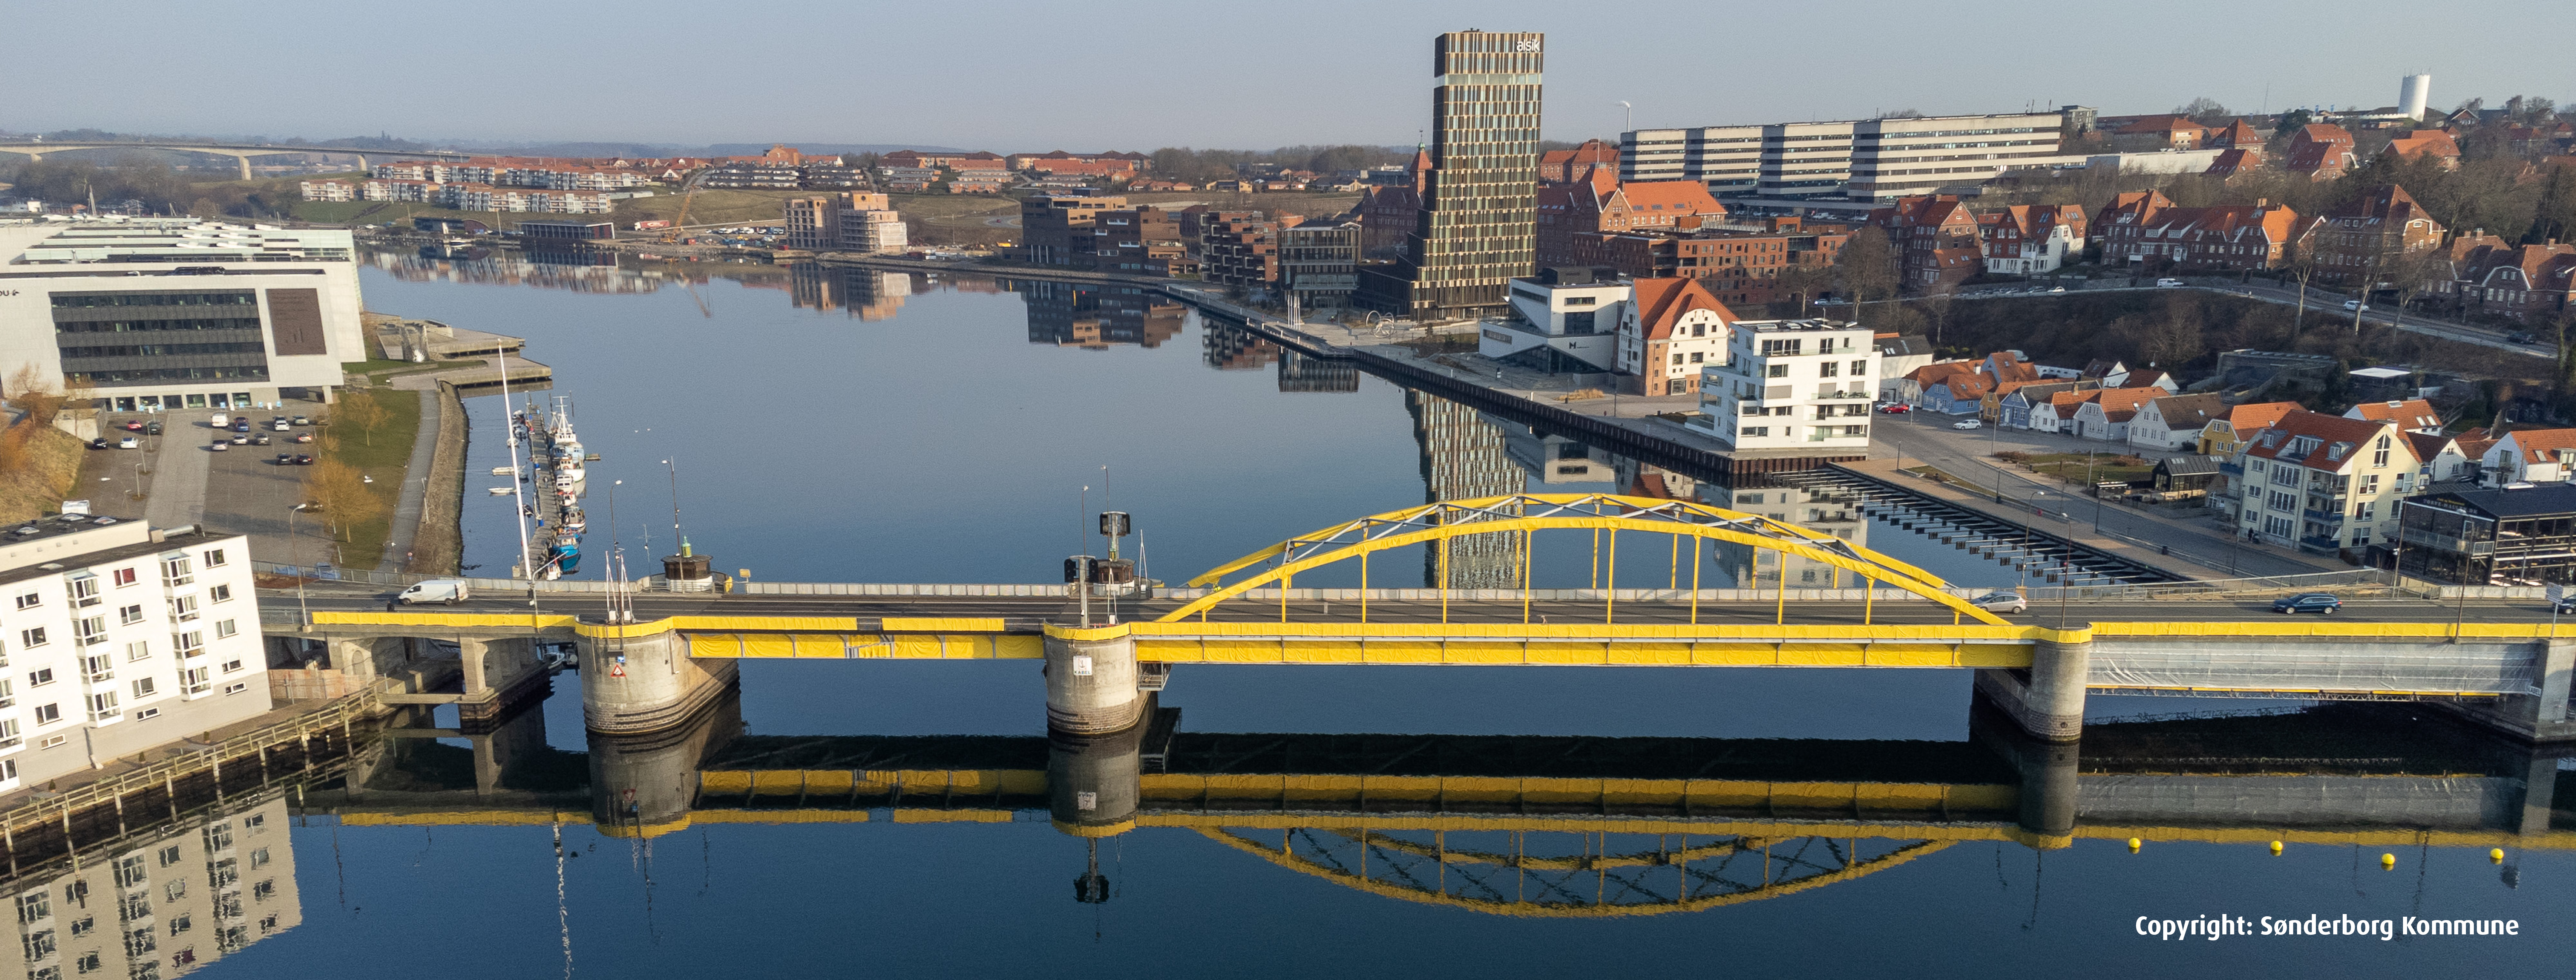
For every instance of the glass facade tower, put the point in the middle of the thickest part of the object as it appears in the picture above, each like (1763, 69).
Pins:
(1477, 229)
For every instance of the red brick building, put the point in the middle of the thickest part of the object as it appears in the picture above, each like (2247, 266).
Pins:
(2529, 283)
(1599, 203)
(2320, 151)
(2228, 238)
(1936, 240)
(1391, 213)
(1111, 164)
(2369, 235)
(1567, 166)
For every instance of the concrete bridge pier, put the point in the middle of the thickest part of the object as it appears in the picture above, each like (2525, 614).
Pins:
(499, 674)
(1092, 684)
(645, 784)
(2046, 701)
(645, 684)
(1093, 781)
(2537, 718)
(2047, 771)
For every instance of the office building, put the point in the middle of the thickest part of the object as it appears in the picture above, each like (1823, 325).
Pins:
(1140, 241)
(1563, 320)
(1867, 159)
(847, 221)
(1475, 232)
(567, 231)
(165, 313)
(1057, 229)
(1465, 457)
(119, 638)
(1791, 384)
(1319, 263)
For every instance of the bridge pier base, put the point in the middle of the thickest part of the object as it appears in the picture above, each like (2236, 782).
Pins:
(2046, 701)
(647, 683)
(2535, 718)
(1091, 685)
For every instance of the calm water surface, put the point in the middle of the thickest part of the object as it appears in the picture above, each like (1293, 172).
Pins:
(886, 428)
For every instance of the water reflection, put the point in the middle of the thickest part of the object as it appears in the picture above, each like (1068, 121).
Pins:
(161, 901)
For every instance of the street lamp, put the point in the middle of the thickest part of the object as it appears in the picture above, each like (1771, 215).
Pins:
(296, 550)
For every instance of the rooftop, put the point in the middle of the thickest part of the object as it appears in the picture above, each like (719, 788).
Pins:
(186, 241)
(1786, 326)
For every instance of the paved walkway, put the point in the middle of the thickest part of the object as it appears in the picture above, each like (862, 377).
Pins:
(178, 490)
(407, 505)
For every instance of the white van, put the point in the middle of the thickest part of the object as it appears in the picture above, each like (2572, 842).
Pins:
(447, 590)
(222, 421)
(2168, 283)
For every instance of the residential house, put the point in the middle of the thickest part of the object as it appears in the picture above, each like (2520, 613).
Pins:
(1671, 329)
(1909, 387)
(2231, 238)
(2528, 283)
(2323, 483)
(2445, 458)
(2426, 142)
(1791, 384)
(2227, 431)
(2029, 238)
(2014, 409)
(2371, 234)
(2412, 414)
(2236, 135)
(1935, 238)
(2106, 416)
(2163, 132)
(1567, 166)
(1932, 386)
(2057, 414)
(2233, 163)
(2173, 423)
(2529, 456)
(2121, 225)
(2319, 151)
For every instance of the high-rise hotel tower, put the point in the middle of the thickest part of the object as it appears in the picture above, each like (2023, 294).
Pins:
(1478, 225)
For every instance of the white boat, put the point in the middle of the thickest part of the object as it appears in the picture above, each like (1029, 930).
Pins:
(504, 491)
(574, 473)
(503, 471)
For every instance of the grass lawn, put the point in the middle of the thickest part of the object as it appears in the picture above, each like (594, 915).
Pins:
(383, 459)
(37, 488)
(2106, 467)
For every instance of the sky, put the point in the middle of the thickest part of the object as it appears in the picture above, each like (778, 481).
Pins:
(1023, 75)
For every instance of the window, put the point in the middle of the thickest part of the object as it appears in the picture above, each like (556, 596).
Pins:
(130, 873)
(169, 856)
(147, 714)
(40, 944)
(232, 665)
(143, 688)
(236, 688)
(32, 638)
(34, 906)
(89, 632)
(1754, 431)
(30, 601)
(9, 736)
(2370, 483)
(1860, 369)
(2379, 456)
(176, 571)
(85, 591)
(188, 644)
(123, 576)
(1698, 358)
(99, 668)
(220, 593)
(47, 714)
(178, 923)
(129, 615)
(183, 608)
(259, 859)
(215, 558)
(195, 680)
(1677, 357)
(40, 678)
(102, 706)
(138, 650)
(2367, 511)
(53, 741)
(1776, 371)
(224, 629)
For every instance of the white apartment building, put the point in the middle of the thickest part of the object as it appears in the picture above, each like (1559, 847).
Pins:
(328, 190)
(115, 638)
(1791, 384)
(1669, 330)
(874, 231)
(2323, 484)
(166, 313)
(1871, 159)
(1567, 318)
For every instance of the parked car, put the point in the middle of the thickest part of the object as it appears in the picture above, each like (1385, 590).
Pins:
(152, 428)
(2354, 304)
(301, 420)
(1969, 424)
(134, 425)
(303, 437)
(241, 425)
(129, 442)
(304, 459)
(2315, 602)
(241, 440)
(2003, 602)
(280, 425)
(2168, 283)
(260, 439)
(98, 444)
(2521, 337)
(220, 445)
(1895, 408)
(449, 591)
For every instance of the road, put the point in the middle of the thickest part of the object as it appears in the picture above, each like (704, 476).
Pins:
(2325, 309)
(1024, 614)
(1969, 455)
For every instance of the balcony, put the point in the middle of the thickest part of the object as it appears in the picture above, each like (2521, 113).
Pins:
(2231, 469)
(2322, 517)
(2322, 546)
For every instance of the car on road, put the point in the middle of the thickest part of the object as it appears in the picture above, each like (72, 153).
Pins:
(2056, 289)
(1895, 408)
(2521, 337)
(2168, 283)
(2003, 602)
(1969, 424)
(449, 591)
(2315, 602)
(219, 446)
(2354, 304)
(2564, 607)
(135, 425)
(129, 442)
(286, 459)
(98, 444)
(301, 420)
(303, 459)
(260, 439)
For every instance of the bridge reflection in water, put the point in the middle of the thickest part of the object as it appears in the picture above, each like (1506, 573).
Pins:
(1536, 826)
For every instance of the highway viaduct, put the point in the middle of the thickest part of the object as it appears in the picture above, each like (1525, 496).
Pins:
(240, 152)
(2505, 667)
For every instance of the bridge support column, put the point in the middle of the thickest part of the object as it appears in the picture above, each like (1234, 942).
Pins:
(657, 685)
(1091, 685)
(2539, 718)
(1093, 781)
(642, 785)
(498, 674)
(2047, 769)
(2539, 793)
(2047, 700)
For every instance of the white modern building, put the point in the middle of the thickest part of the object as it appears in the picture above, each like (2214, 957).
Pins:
(1566, 318)
(1871, 159)
(166, 313)
(1791, 384)
(116, 638)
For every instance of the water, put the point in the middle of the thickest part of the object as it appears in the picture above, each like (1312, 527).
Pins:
(888, 428)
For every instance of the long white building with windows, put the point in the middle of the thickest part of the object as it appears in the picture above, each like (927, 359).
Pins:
(1791, 384)
(115, 638)
(1869, 159)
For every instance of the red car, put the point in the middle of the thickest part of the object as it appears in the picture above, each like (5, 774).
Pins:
(134, 426)
(1895, 408)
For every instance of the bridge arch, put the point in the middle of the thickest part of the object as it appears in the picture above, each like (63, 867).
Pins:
(1528, 514)
(1556, 874)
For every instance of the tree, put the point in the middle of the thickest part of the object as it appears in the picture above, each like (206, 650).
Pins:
(2301, 263)
(1867, 266)
(2554, 214)
(2171, 341)
(31, 392)
(340, 492)
(364, 411)
(2203, 109)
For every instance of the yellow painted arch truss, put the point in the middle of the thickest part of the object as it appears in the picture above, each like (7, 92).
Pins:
(1531, 513)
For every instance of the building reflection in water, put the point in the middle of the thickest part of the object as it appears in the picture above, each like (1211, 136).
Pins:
(1232, 348)
(160, 902)
(868, 294)
(1098, 317)
(1465, 456)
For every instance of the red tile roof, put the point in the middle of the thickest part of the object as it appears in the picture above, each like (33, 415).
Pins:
(2412, 413)
(1661, 303)
(2316, 440)
(2247, 418)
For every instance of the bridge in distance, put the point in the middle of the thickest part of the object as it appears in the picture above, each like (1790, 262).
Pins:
(240, 152)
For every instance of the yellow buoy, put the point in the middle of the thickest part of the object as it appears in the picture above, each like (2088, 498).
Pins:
(2276, 847)
(2133, 843)
(2388, 860)
(2496, 855)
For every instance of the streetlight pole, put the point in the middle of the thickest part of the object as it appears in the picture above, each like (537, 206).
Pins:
(295, 549)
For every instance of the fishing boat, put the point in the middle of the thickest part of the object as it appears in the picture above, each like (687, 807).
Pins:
(505, 471)
(504, 491)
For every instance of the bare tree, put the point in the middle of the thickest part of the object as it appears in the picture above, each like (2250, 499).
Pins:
(340, 492)
(1867, 265)
(364, 411)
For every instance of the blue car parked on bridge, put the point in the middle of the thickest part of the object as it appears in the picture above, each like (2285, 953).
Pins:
(2315, 602)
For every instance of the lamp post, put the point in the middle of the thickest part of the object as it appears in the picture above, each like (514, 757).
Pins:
(296, 549)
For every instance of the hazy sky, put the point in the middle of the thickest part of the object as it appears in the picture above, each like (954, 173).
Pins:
(1012, 75)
